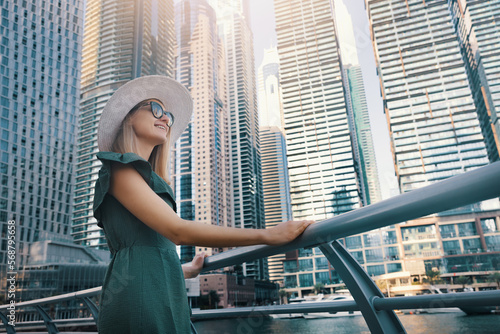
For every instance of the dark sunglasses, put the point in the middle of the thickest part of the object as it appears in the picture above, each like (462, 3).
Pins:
(158, 111)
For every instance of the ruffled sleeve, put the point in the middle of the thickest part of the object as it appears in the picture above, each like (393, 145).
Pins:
(102, 183)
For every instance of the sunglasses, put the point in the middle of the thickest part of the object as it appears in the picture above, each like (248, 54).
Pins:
(158, 111)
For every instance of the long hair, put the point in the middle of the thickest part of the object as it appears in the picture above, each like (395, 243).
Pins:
(126, 142)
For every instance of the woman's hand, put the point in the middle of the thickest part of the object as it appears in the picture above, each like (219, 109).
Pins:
(285, 232)
(193, 268)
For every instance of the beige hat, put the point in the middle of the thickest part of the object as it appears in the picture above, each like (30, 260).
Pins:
(174, 97)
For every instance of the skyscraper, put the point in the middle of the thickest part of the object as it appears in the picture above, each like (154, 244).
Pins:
(437, 93)
(201, 159)
(320, 158)
(123, 40)
(429, 105)
(235, 33)
(275, 180)
(39, 73)
(479, 36)
(362, 134)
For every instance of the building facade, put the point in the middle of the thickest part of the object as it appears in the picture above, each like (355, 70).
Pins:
(201, 158)
(123, 40)
(39, 73)
(434, 127)
(275, 180)
(437, 98)
(237, 38)
(479, 35)
(362, 134)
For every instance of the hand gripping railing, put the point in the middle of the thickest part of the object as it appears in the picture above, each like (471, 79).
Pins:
(471, 187)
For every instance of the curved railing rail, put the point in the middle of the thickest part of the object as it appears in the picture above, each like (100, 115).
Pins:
(471, 187)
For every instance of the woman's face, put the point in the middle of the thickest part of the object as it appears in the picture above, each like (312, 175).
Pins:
(149, 128)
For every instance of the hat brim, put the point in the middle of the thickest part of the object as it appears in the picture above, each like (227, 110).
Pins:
(174, 97)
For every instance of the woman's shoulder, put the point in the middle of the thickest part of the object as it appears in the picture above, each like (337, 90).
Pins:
(119, 157)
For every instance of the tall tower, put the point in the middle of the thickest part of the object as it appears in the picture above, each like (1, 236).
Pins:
(235, 33)
(124, 39)
(39, 75)
(436, 79)
(429, 105)
(320, 158)
(362, 134)
(201, 159)
(479, 34)
(275, 180)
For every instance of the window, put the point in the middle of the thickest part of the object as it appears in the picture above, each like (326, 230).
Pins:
(489, 225)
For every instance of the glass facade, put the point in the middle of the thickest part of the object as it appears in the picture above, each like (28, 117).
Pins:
(248, 202)
(479, 37)
(40, 52)
(202, 178)
(321, 163)
(275, 180)
(362, 134)
(429, 105)
(123, 40)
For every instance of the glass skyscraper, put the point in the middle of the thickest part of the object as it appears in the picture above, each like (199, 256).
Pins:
(479, 36)
(275, 180)
(123, 40)
(39, 72)
(201, 159)
(428, 101)
(235, 33)
(438, 81)
(362, 134)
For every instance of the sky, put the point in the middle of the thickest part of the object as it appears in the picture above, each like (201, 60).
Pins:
(354, 35)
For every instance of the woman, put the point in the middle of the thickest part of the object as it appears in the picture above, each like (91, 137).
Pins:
(143, 290)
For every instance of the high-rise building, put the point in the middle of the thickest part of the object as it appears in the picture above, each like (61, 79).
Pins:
(235, 33)
(431, 69)
(124, 39)
(321, 139)
(269, 90)
(479, 35)
(201, 158)
(275, 180)
(362, 134)
(320, 158)
(429, 105)
(39, 99)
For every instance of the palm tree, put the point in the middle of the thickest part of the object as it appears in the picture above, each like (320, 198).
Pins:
(213, 298)
(495, 277)
(462, 280)
(318, 288)
(433, 276)
(284, 296)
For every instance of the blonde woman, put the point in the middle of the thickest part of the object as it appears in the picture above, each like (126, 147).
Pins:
(143, 290)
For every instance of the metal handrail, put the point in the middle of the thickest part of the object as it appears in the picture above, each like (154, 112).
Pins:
(471, 187)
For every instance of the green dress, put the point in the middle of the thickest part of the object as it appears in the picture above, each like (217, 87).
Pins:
(143, 290)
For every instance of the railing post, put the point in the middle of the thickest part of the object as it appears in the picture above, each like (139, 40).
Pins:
(10, 329)
(51, 327)
(362, 288)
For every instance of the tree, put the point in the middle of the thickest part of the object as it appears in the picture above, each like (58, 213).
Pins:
(213, 299)
(318, 288)
(462, 280)
(495, 277)
(433, 276)
(284, 296)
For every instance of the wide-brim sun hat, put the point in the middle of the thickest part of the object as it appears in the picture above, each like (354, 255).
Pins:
(174, 97)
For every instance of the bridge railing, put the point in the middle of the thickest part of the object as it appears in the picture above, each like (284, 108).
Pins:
(471, 187)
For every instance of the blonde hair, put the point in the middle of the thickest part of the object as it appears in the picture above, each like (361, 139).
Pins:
(126, 141)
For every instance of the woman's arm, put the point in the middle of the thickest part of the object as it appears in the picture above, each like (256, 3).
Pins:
(130, 189)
